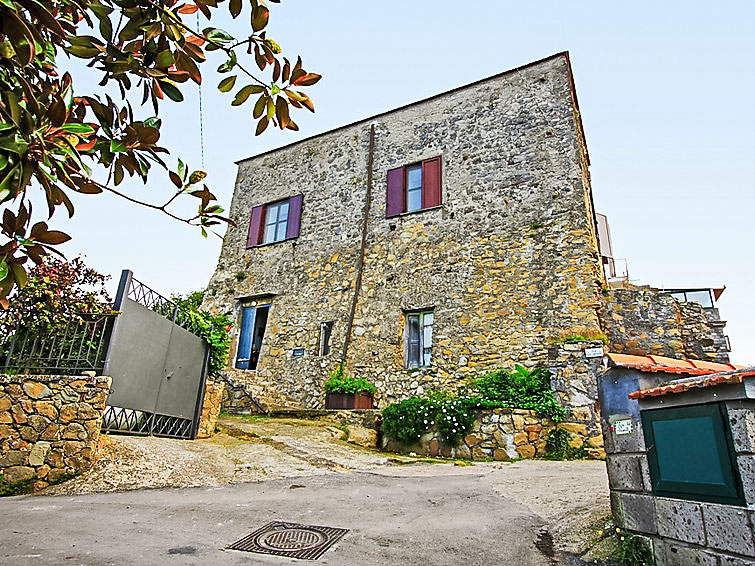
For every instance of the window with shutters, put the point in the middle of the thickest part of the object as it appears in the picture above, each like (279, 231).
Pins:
(414, 187)
(275, 222)
(419, 339)
(252, 331)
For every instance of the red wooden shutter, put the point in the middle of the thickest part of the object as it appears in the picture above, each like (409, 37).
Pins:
(431, 187)
(294, 216)
(394, 196)
(255, 224)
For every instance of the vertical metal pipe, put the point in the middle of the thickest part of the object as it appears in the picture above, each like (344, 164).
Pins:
(360, 264)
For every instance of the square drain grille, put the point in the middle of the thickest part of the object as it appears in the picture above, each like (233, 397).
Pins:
(279, 538)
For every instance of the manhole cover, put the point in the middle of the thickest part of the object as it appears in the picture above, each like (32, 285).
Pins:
(290, 539)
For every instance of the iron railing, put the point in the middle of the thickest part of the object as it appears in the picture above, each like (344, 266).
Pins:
(74, 347)
(132, 421)
(154, 301)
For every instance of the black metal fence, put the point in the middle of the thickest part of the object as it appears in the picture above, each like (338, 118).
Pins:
(68, 347)
(147, 297)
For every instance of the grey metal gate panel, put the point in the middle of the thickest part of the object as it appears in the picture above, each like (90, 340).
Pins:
(158, 366)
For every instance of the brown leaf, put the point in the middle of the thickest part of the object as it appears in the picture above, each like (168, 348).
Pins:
(261, 126)
(281, 112)
(260, 15)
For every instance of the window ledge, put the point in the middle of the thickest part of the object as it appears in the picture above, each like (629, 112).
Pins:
(440, 206)
(270, 244)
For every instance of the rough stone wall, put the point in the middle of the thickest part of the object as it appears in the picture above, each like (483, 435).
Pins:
(49, 426)
(508, 262)
(501, 434)
(213, 397)
(643, 321)
(574, 380)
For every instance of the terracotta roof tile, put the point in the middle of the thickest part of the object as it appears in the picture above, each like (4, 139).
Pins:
(682, 385)
(661, 364)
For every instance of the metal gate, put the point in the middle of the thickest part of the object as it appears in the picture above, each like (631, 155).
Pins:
(158, 364)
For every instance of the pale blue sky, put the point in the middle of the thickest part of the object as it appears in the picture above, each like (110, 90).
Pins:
(666, 95)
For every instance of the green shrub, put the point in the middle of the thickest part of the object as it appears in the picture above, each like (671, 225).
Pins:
(518, 389)
(339, 382)
(16, 488)
(521, 389)
(409, 419)
(214, 328)
(557, 447)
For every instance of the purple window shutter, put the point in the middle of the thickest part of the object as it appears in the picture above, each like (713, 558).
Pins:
(255, 224)
(394, 196)
(431, 187)
(294, 216)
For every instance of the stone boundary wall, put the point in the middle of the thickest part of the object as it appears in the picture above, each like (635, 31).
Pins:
(49, 426)
(643, 321)
(502, 434)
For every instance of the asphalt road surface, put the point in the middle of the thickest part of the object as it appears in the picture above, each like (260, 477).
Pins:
(425, 515)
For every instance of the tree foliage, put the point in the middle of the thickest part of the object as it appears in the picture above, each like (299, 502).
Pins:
(51, 136)
(57, 291)
(214, 328)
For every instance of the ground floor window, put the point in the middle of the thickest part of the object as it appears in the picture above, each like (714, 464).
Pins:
(253, 323)
(419, 339)
(326, 330)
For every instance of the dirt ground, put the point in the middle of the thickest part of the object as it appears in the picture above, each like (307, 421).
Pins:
(570, 497)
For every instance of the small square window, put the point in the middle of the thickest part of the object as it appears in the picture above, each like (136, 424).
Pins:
(276, 222)
(419, 339)
(691, 454)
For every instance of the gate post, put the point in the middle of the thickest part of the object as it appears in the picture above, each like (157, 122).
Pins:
(123, 287)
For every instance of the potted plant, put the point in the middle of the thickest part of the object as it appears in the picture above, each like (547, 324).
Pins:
(345, 392)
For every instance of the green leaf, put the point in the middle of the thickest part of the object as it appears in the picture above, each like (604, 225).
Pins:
(274, 89)
(227, 84)
(228, 65)
(164, 58)
(117, 146)
(217, 35)
(171, 91)
(183, 171)
(12, 6)
(3, 268)
(153, 122)
(14, 144)
(259, 107)
(245, 93)
(75, 128)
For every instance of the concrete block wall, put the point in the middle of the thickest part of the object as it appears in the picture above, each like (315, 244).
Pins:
(682, 532)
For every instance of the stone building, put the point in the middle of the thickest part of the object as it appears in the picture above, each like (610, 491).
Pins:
(422, 245)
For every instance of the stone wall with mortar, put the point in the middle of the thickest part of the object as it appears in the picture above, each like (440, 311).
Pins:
(49, 426)
(501, 434)
(507, 263)
(642, 321)
(213, 399)
(680, 531)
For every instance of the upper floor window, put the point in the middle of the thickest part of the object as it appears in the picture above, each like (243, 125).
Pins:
(413, 187)
(419, 339)
(275, 222)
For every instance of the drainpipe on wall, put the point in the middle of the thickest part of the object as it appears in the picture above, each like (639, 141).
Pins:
(360, 263)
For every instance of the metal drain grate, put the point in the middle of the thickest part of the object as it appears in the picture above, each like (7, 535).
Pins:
(290, 539)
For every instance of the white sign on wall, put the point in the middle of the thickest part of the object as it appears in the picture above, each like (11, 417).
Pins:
(593, 352)
(623, 426)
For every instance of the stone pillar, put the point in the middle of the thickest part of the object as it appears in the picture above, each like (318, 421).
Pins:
(574, 371)
(213, 398)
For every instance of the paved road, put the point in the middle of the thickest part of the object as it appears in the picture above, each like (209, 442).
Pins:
(425, 515)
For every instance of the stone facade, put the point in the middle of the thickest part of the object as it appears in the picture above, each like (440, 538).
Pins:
(49, 426)
(508, 263)
(643, 321)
